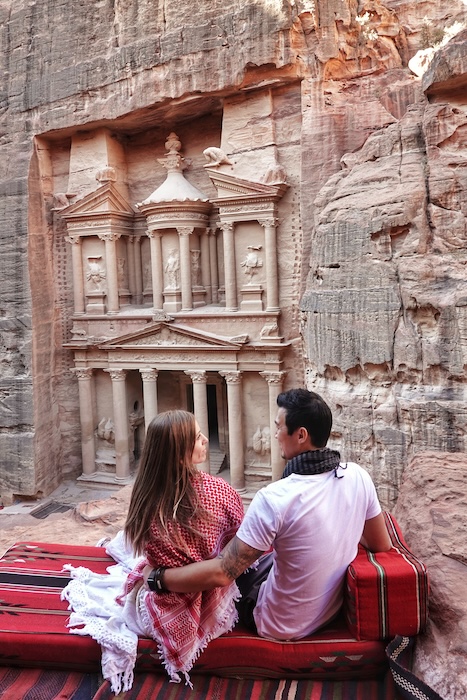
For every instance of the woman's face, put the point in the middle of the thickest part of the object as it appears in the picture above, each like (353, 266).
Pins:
(200, 448)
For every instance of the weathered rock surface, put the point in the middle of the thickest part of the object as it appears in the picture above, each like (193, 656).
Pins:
(432, 511)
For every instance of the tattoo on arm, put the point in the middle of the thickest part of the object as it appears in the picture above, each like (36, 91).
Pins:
(238, 556)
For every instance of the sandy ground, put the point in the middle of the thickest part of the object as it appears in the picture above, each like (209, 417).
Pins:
(93, 514)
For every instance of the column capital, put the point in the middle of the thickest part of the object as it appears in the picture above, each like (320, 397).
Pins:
(231, 376)
(185, 230)
(269, 223)
(197, 375)
(82, 372)
(148, 374)
(109, 236)
(153, 233)
(273, 377)
(135, 238)
(227, 226)
(74, 239)
(116, 374)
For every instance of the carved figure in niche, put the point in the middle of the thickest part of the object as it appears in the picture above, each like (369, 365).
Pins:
(252, 262)
(172, 268)
(262, 441)
(105, 453)
(215, 157)
(95, 274)
(196, 268)
(147, 276)
(121, 272)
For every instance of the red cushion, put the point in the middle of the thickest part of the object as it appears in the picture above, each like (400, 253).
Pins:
(386, 593)
(33, 629)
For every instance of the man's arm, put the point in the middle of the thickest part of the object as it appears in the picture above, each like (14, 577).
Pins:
(375, 535)
(211, 573)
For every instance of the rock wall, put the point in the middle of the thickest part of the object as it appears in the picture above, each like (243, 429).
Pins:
(381, 198)
(432, 513)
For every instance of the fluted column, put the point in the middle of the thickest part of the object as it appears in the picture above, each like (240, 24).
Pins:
(122, 442)
(272, 276)
(86, 416)
(78, 274)
(155, 238)
(184, 233)
(213, 263)
(235, 416)
(274, 380)
(110, 241)
(149, 376)
(200, 403)
(230, 274)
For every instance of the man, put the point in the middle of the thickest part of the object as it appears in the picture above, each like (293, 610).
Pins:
(313, 519)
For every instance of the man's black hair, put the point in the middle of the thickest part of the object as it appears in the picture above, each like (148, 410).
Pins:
(305, 409)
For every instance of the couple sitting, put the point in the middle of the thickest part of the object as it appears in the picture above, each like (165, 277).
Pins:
(202, 563)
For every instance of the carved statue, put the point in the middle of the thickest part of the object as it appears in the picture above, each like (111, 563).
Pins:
(215, 157)
(196, 268)
(262, 440)
(252, 262)
(269, 329)
(172, 267)
(95, 274)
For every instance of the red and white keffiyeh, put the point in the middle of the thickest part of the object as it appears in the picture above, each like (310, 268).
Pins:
(184, 623)
(181, 623)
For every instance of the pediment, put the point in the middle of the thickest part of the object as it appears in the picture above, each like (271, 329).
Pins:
(105, 200)
(167, 335)
(230, 187)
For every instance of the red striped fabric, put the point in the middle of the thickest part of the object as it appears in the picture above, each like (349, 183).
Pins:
(34, 684)
(387, 593)
(155, 687)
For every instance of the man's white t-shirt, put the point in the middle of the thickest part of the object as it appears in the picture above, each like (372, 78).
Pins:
(314, 524)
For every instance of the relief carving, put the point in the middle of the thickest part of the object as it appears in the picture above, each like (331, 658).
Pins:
(95, 274)
(172, 268)
(252, 262)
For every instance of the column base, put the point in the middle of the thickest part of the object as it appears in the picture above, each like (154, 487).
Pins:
(98, 478)
(252, 298)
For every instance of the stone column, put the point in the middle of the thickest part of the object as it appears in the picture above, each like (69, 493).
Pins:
(230, 268)
(138, 270)
(155, 238)
(78, 274)
(212, 237)
(200, 402)
(149, 376)
(131, 267)
(235, 417)
(86, 416)
(110, 240)
(274, 380)
(272, 275)
(184, 233)
(206, 266)
(122, 442)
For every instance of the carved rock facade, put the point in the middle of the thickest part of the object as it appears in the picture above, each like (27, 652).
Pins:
(104, 300)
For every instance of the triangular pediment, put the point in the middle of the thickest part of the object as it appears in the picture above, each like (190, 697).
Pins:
(105, 200)
(230, 187)
(168, 336)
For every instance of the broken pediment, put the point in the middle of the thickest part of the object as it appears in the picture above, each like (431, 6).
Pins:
(231, 189)
(103, 201)
(166, 335)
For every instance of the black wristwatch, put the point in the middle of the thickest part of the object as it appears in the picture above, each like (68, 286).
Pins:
(155, 582)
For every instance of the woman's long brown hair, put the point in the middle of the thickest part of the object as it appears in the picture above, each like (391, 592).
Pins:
(163, 492)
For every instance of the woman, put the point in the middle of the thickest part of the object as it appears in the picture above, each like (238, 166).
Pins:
(177, 515)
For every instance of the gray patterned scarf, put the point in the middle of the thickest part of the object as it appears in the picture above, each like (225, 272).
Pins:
(314, 462)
